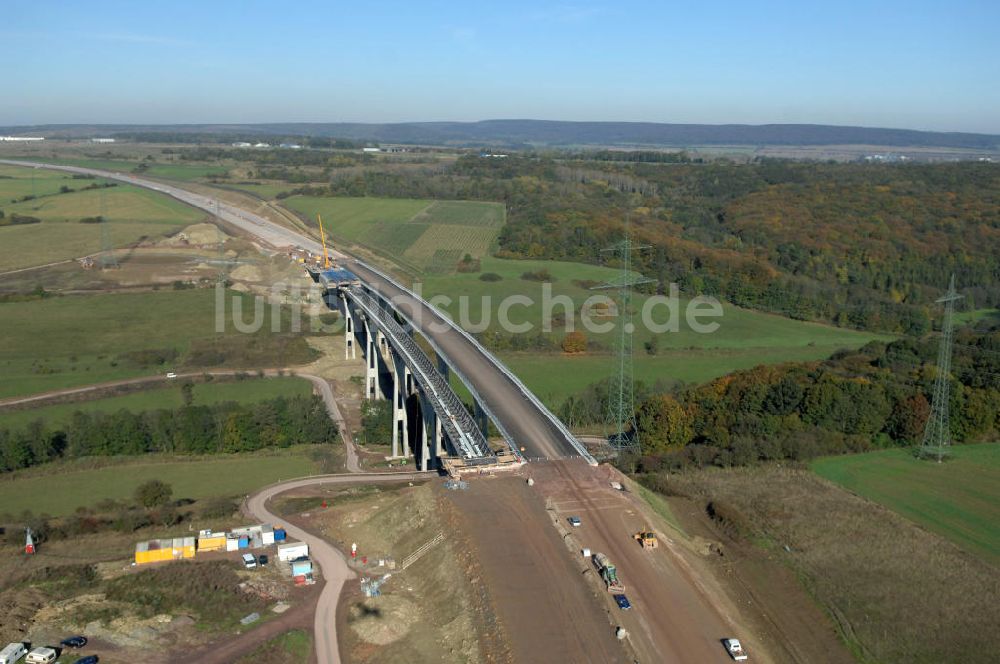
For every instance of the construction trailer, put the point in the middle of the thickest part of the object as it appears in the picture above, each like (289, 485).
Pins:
(292, 551)
(162, 550)
(209, 541)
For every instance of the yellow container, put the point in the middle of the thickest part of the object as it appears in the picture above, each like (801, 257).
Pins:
(212, 543)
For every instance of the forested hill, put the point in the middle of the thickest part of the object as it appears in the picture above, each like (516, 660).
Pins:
(548, 132)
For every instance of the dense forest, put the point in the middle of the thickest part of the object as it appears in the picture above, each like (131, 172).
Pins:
(226, 427)
(874, 397)
(862, 245)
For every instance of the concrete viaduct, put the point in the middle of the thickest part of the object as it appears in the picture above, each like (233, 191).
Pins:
(382, 316)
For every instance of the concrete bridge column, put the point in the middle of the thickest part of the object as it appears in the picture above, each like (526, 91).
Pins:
(400, 420)
(427, 428)
(350, 333)
(371, 365)
(481, 418)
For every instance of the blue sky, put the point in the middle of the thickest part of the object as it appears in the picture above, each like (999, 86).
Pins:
(896, 63)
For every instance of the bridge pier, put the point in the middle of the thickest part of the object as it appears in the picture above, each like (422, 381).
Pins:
(481, 418)
(431, 440)
(401, 379)
(371, 364)
(350, 333)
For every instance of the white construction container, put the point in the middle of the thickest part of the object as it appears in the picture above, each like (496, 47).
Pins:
(292, 551)
(267, 535)
(12, 653)
(232, 543)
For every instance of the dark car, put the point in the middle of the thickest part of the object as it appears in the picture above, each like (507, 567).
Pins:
(623, 602)
(74, 642)
(89, 659)
(262, 559)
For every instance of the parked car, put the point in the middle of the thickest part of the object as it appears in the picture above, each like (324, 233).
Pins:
(74, 642)
(90, 659)
(622, 602)
(262, 559)
(171, 375)
(574, 521)
(249, 561)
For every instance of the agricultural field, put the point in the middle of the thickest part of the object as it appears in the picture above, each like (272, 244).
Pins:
(58, 489)
(744, 338)
(420, 235)
(249, 390)
(132, 214)
(60, 342)
(957, 499)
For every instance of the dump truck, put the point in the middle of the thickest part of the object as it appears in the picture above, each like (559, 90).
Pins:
(647, 539)
(608, 573)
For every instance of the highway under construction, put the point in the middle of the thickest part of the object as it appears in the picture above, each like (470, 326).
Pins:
(674, 618)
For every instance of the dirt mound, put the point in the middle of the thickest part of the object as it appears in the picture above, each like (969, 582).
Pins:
(382, 620)
(197, 234)
(247, 273)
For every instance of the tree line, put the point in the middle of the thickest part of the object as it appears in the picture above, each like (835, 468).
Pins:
(219, 428)
(874, 397)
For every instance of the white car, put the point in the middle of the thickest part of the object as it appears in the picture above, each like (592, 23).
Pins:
(171, 375)
(735, 650)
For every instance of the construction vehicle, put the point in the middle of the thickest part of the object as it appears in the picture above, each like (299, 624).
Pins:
(646, 539)
(322, 239)
(609, 573)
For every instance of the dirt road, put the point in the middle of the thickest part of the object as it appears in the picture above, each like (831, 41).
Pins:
(331, 562)
(673, 617)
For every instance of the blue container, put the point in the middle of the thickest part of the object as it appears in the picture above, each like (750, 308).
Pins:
(279, 535)
(244, 543)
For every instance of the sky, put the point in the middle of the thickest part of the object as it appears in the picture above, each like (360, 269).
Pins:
(885, 63)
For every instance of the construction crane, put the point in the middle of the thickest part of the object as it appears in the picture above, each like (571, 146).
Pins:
(322, 239)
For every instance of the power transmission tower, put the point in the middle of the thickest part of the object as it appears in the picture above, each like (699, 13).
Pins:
(621, 392)
(937, 435)
(108, 258)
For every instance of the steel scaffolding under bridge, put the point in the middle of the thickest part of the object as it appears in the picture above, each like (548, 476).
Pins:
(449, 422)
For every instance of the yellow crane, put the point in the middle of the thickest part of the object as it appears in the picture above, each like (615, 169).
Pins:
(322, 239)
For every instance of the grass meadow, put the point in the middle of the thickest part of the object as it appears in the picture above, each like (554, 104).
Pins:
(743, 340)
(249, 390)
(72, 340)
(132, 213)
(958, 499)
(58, 489)
(897, 592)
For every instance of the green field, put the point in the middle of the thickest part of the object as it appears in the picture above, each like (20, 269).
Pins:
(60, 493)
(958, 499)
(154, 169)
(744, 338)
(74, 340)
(132, 213)
(242, 391)
(420, 235)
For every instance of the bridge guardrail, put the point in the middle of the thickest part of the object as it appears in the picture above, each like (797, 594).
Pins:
(455, 419)
(577, 445)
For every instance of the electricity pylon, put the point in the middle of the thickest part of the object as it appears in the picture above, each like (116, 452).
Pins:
(621, 392)
(937, 434)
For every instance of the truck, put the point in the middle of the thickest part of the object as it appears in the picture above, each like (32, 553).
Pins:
(608, 573)
(735, 649)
